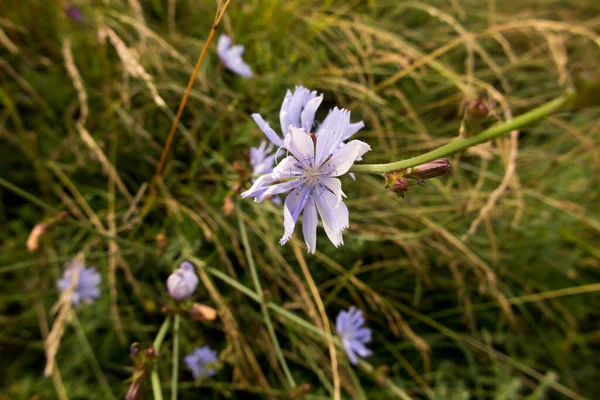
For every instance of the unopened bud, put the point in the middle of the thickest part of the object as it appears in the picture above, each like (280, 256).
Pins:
(228, 206)
(480, 108)
(300, 391)
(200, 312)
(150, 353)
(161, 240)
(381, 372)
(430, 170)
(397, 183)
(182, 283)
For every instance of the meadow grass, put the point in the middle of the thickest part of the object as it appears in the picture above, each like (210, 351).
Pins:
(482, 284)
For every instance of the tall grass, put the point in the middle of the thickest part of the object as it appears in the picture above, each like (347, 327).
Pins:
(482, 284)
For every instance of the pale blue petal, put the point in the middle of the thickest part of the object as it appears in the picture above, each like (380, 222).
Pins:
(345, 157)
(335, 219)
(335, 186)
(308, 114)
(267, 130)
(223, 45)
(287, 168)
(283, 112)
(279, 188)
(309, 225)
(259, 186)
(352, 129)
(293, 206)
(300, 145)
(236, 51)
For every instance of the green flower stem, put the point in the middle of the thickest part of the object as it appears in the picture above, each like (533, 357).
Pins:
(260, 298)
(175, 370)
(365, 366)
(530, 117)
(156, 389)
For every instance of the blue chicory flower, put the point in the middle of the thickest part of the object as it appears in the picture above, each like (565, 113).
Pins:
(183, 281)
(231, 56)
(201, 360)
(298, 110)
(86, 290)
(310, 174)
(354, 335)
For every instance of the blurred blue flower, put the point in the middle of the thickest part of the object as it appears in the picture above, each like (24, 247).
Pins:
(183, 281)
(354, 335)
(310, 174)
(86, 290)
(231, 56)
(201, 361)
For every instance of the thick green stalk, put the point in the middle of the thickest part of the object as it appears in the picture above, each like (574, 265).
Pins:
(259, 292)
(156, 389)
(530, 117)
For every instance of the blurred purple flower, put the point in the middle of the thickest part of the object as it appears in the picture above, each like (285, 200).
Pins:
(309, 174)
(182, 282)
(75, 14)
(201, 361)
(86, 289)
(231, 56)
(354, 335)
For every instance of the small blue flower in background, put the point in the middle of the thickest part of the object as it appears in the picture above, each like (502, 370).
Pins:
(262, 159)
(231, 56)
(183, 281)
(201, 360)
(354, 335)
(310, 174)
(88, 281)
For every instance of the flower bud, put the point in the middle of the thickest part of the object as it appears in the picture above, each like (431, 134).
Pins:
(300, 391)
(200, 312)
(430, 170)
(182, 283)
(397, 183)
(480, 108)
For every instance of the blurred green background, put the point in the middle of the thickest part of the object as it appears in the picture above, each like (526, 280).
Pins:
(481, 285)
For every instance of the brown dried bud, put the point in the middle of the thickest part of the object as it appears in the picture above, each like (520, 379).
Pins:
(33, 241)
(200, 312)
(300, 391)
(228, 206)
(381, 372)
(161, 240)
(397, 183)
(237, 166)
(430, 170)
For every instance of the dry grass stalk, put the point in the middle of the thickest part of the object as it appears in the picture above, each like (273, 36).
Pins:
(129, 61)
(77, 81)
(64, 307)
